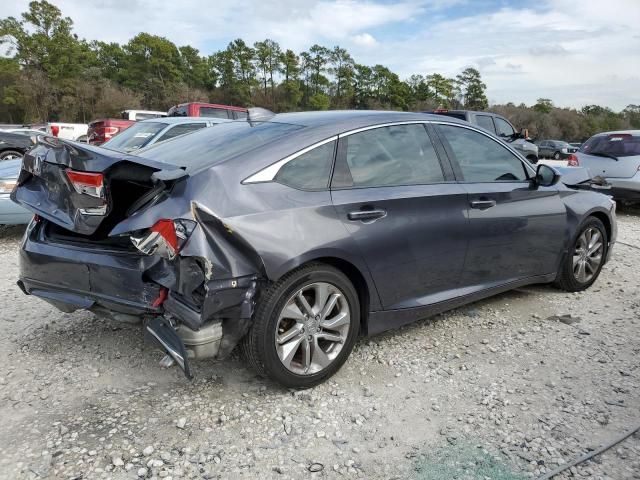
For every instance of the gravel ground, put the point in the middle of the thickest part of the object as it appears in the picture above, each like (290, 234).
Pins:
(507, 388)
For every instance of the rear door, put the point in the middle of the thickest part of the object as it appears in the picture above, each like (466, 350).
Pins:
(515, 231)
(613, 155)
(396, 195)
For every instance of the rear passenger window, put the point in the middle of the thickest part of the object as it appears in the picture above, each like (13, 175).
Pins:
(309, 171)
(480, 158)
(396, 155)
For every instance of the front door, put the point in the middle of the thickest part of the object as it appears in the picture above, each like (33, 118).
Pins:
(404, 211)
(516, 231)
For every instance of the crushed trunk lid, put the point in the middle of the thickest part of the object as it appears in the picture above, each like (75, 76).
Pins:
(79, 187)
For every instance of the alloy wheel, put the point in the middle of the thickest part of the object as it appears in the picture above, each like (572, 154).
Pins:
(587, 255)
(11, 156)
(312, 328)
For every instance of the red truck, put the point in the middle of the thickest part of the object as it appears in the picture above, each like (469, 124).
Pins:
(100, 131)
(198, 109)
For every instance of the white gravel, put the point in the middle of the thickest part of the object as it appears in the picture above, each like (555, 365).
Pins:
(504, 389)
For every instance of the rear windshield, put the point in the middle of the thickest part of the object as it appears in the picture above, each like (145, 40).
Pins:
(214, 145)
(618, 145)
(135, 137)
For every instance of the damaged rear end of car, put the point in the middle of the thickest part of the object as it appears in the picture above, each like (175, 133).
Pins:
(127, 238)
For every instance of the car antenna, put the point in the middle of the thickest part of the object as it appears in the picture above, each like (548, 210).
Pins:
(259, 114)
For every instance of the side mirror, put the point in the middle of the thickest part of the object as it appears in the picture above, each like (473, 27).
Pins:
(546, 176)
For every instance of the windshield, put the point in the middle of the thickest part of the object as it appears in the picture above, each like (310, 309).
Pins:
(617, 145)
(214, 145)
(135, 137)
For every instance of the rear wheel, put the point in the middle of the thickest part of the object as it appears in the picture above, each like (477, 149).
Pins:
(305, 326)
(582, 266)
(10, 155)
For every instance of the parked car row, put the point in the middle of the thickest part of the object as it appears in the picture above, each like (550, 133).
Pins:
(291, 235)
(103, 130)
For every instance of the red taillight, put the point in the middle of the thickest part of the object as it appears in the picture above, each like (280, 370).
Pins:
(55, 130)
(85, 179)
(164, 238)
(573, 161)
(167, 231)
(88, 183)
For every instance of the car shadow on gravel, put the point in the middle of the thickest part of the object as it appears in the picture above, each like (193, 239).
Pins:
(11, 232)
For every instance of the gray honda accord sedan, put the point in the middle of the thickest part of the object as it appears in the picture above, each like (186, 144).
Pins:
(290, 235)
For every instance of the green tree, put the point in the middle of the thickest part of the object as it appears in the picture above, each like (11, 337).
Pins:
(472, 89)
(290, 70)
(441, 89)
(543, 105)
(268, 57)
(342, 69)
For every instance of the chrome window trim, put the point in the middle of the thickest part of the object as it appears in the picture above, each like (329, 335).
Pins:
(268, 174)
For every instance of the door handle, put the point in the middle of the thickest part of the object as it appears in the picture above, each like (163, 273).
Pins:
(364, 215)
(483, 204)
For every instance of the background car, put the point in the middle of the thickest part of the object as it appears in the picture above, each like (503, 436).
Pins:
(10, 212)
(13, 145)
(498, 126)
(67, 131)
(138, 115)
(199, 109)
(30, 132)
(616, 157)
(556, 149)
(295, 233)
(149, 132)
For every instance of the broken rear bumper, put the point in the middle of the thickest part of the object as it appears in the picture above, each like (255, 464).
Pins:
(171, 295)
(73, 277)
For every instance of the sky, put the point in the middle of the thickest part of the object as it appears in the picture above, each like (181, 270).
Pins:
(575, 52)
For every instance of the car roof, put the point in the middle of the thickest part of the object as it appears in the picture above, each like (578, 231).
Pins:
(179, 120)
(620, 132)
(334, 122)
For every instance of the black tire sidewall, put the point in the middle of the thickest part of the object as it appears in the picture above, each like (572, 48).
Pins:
(568, 263)
(6, 153)
(266, 344)
(556, 156)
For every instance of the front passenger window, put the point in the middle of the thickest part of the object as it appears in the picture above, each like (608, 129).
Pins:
(480, 158)
(395, 155)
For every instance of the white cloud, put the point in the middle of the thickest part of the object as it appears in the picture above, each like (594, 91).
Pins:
(365, 40)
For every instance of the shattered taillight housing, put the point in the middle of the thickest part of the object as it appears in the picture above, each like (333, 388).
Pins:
(165, 238)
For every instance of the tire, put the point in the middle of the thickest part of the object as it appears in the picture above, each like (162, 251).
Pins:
(533, 159)
(556, 156)
(272, 324)
(569, 278)
(10, 155)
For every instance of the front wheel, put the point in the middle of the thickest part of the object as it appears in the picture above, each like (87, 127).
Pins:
(582, 266)
(305, 326)
(556, 156)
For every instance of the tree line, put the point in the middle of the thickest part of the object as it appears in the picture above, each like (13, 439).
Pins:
(51, 74)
